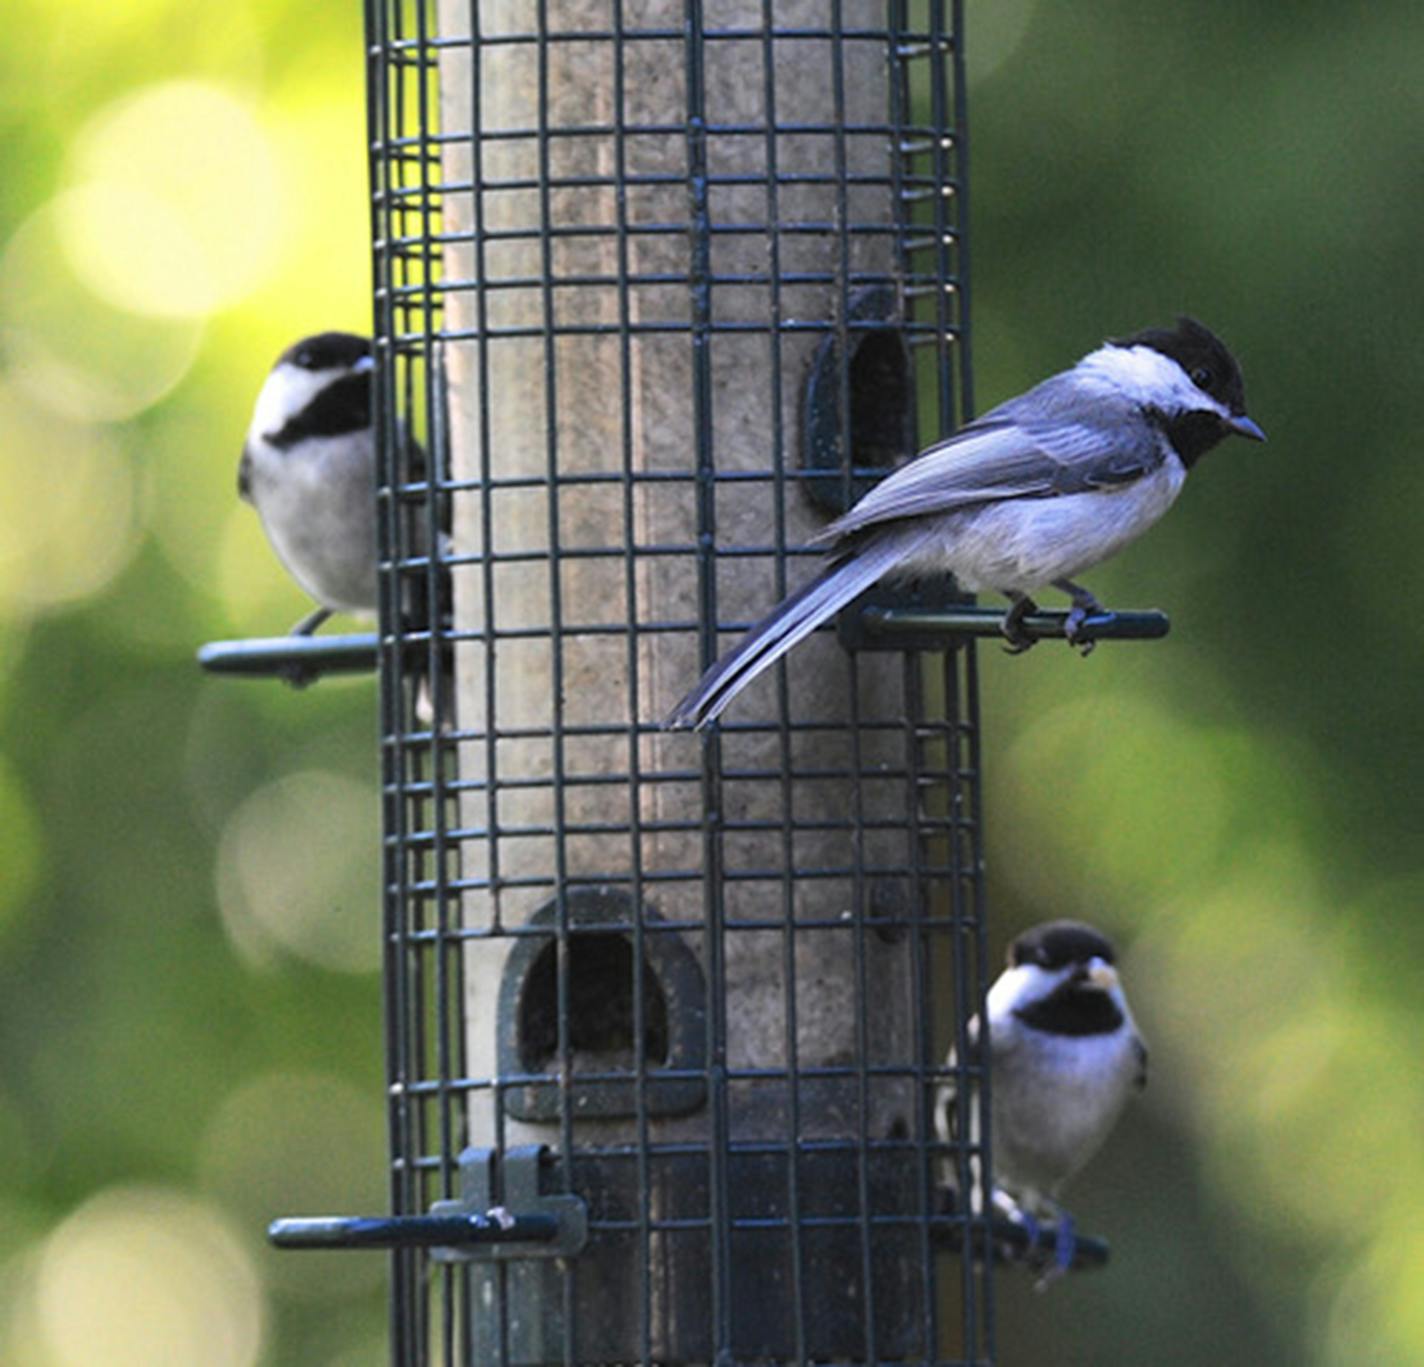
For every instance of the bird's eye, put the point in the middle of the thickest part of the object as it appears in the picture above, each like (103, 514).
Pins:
(1202, 378)
(304, 359)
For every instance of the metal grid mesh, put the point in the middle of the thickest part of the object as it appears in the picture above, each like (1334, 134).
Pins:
(715, 977)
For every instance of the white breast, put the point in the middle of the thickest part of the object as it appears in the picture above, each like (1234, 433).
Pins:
(1055, 1100)
(1024, 544)
(317, 501)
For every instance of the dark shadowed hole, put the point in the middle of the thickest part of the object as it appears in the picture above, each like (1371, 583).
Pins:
(600, 1008)
(879, 400)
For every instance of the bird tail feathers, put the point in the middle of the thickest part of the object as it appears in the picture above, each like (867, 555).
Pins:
(790, 622)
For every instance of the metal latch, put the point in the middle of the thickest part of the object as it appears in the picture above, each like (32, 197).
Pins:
(484, 1224)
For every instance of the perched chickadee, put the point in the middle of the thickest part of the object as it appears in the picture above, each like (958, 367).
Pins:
(308, 467)
(1035, 492)
(1064, 1055)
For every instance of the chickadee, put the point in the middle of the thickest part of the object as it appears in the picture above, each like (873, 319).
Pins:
(1035, 492)
(309, 468)
(1064, 1055)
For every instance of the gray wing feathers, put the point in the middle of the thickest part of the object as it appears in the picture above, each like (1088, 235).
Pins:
(971, 467)
(792, 621)
(1016, 452)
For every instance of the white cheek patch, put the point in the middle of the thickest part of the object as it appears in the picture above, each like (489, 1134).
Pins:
(1016, 987)
(288, 390)
(1147, 378)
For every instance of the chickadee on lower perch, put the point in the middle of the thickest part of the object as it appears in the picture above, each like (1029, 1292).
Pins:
(1064, 1056)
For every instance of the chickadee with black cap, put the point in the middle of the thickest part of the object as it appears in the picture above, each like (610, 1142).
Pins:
(309, 468)
(1064, 1056)
(1038, 490)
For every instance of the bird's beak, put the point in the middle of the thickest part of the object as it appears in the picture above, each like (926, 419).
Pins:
(1244, 427)
(1102, 975)
(365, 363)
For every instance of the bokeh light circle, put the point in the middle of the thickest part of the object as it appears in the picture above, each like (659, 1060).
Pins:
(144, 1275)
(68, 521)
(177, 201)
(298, 871)
(72, 351)
(293, 1142)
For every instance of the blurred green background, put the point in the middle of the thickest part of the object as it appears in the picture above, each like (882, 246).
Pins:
(189, 1023)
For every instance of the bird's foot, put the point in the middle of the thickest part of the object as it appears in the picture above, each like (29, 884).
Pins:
(1008, 1208)
(310, 622)
(1065, 1245)
(1031, 1230)
(1073, 625)
(1012, 626)
(1084, 606)
(296, 675)
(1047, 1266)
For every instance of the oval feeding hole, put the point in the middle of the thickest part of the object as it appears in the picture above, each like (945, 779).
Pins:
(600, 1014)
(879, 399)
(858, 404)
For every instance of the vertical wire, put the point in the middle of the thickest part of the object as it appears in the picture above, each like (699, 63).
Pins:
(488, 595)
(858, 835)
(407, 778)
(558, 768)
(979, 940)
(917, 735)
(488, 739)
(901, 165)
(982, 975)
(634, 739)
(946, 184)
(447, 1177)
(415, 246)
(401, 1301)
(447, 942)
(969, 1053)
(785, 757)
(970, 938)
(699, 275)
(920, 933)
(961, 160)
(398, 830)
(950, 348)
